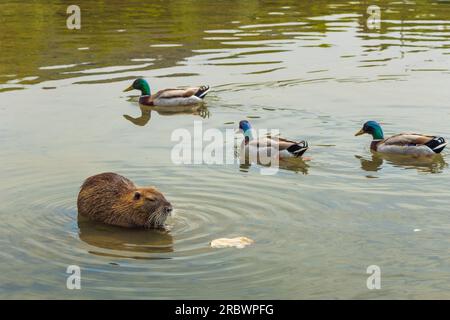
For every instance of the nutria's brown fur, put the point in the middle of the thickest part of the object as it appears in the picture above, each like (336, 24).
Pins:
(113, 199)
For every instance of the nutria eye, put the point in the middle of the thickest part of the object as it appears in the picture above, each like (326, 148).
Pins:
(137, 196)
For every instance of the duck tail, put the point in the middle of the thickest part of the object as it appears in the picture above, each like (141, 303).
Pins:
(298, 149)
(437, 144)
(202, 91)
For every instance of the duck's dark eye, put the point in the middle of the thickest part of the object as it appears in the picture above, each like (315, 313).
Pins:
(366, 128)
(137, 195)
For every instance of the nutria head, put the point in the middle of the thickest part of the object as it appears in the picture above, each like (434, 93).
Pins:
(149, 208)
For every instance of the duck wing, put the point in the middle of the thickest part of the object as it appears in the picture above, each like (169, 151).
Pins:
(283, 143)
(199, 92)
(285, 147)
(263, 142)
(256, 148)
(408, 139)
(412, 143)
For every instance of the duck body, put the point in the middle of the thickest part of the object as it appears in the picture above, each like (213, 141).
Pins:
(169, 97)
(175, 97)
(410, 143)
(269, 146)
(403, 143)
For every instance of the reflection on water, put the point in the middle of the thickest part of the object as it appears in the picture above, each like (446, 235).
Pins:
(297, 165)
(124, 240)
(146, 39)
(424, 164)
(146, 112)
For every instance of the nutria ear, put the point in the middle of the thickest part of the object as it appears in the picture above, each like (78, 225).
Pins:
(137, 195)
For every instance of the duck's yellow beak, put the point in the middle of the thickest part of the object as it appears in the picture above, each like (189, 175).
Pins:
(129, 88)
(360, 132)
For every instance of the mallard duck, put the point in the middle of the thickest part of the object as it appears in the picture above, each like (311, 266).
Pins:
(168, 97)
(403, 143)
(271, 146)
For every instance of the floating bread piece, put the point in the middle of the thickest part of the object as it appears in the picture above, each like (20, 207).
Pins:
(238, 242)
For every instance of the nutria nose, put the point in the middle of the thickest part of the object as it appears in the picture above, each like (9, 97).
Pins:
(168, 209)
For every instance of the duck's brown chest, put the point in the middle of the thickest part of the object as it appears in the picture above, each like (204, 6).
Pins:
(145, 100)
(374, 145)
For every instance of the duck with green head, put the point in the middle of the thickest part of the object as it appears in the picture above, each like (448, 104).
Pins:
(168, 97)
(403, 143)
(283, 148)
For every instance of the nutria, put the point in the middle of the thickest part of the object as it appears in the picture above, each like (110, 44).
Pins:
(113, 199)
